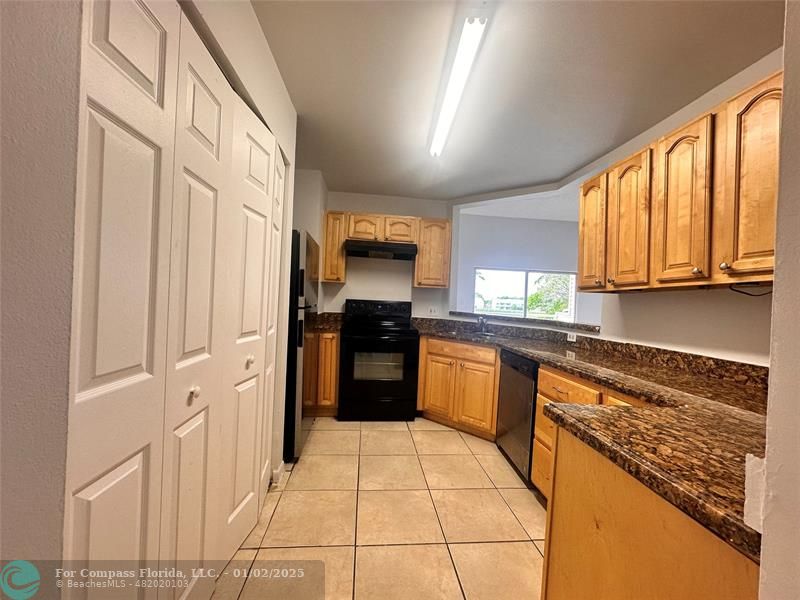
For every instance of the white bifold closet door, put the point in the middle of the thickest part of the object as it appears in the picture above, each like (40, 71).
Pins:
(121, 276)
(202, 247)
(276, 233)
(241, 406)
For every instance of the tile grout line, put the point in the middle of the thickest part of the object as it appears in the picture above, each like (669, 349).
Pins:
(439, 520)
(355, 529)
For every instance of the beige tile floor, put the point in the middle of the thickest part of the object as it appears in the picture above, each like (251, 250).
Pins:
(394, 510)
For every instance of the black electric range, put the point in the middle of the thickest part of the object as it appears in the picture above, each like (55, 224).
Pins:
(378, 362)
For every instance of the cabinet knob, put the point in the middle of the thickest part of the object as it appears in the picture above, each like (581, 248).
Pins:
(723, 266)
(598, 282)
(248, 362)
(452, 363)
(194, 392)
(611, 281)
(697, 271)
(462, 364)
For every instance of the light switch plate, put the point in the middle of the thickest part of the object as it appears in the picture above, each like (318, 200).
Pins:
(570, 354)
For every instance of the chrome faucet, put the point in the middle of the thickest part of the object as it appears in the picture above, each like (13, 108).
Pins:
(482, 324)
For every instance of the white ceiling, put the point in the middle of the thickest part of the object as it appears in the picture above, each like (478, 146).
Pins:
(556, 84)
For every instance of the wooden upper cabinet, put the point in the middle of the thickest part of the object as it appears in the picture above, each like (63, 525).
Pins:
(628, 229)
(333, 268)
(592, 234)
(747, 204)
(365, 227)
(682, 207)
(432, 267)
(400, 229)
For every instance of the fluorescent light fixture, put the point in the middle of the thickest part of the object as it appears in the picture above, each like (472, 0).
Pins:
(467, 50)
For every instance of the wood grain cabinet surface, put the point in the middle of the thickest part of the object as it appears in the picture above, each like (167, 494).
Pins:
(328, 385)
(696, 208)
(432, 267)
(628, 223)
(609, 537)
(682, 207)
(365, 227)
(400, 229)
(592, 234)
(747, 193)
(333, 266)
(458, 385)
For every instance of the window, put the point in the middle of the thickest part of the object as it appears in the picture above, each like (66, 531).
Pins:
(526, 294)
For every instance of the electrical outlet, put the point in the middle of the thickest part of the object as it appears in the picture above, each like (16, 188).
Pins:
(570, 354)
(572, 337)
(433, 311)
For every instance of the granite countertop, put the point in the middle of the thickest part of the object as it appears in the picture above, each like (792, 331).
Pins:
(689, 447)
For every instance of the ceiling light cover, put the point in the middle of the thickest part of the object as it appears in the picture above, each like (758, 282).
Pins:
(468, 44)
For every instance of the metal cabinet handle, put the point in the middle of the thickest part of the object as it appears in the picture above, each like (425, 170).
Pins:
(249, 361)
(611, 281)
(697, 271)
(723, 266)
(560, 391)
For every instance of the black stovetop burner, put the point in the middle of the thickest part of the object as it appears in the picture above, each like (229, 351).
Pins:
(377, 315)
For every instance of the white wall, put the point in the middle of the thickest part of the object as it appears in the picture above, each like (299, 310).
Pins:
(380, 279)
(780, 545)
(40, 61)
(310, 202)
(502, 243)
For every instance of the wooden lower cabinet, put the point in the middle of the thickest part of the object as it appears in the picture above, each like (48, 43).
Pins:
(327, 395)
(310, 368)
(458, 385)
(609, 537)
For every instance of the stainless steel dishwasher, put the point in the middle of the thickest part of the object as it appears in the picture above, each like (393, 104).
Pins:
(516, 409)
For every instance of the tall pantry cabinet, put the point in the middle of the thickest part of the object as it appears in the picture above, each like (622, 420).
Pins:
(179, 229)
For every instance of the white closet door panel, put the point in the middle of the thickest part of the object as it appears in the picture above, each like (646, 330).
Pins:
(242, 406)
(122, 229)
(272, 296)
(197, 314)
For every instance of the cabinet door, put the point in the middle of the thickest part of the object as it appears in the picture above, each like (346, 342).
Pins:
(629, 221)
(432, 267)
(328, 369)
(544, 429)
(542, 468)
(751, 180)
(400, 229)
(682, 206)
(440, 383)
(310, 368)
(475, 397)
(333, 268)
(365, 227)
(592, 234)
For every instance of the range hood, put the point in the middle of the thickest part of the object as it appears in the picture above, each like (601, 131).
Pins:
(376, 249)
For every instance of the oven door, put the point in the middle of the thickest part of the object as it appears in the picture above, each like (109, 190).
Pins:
(378, 377)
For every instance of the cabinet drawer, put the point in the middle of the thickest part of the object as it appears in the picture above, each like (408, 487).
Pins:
(561, 389)
(544, 428)
(462, 351)
(542, 469)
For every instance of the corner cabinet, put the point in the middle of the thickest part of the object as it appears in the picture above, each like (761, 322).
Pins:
(458, 385)
(432, 267)
(592, 234)
(333, 267)
(697, 208)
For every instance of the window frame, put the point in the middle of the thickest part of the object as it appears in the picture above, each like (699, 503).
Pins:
(527, 272)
